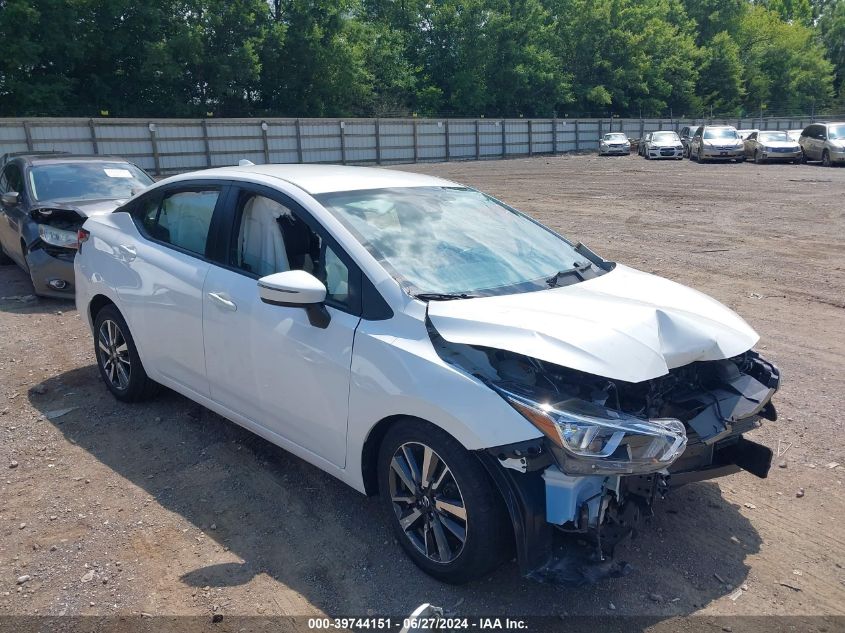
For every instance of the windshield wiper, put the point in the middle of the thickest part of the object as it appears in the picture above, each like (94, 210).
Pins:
(578, 268)
(443, 296)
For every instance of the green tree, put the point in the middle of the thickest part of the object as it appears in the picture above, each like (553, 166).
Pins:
(785, 65)
(721, 84)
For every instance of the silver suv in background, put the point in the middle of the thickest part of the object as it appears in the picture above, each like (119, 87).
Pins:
(824, 142)
(716, 142)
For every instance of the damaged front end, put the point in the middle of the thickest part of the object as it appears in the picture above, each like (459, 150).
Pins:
(609, 448)
(51, 247)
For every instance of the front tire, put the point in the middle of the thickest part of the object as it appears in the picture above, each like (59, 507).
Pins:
(757, 158)
(826, 159)
(440, 503)
(117, 358)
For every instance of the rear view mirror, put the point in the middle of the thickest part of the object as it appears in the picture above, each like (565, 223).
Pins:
(11, 199)
(296, 288)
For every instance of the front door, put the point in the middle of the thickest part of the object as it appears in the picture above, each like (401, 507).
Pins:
(10, 218)
(265, 362)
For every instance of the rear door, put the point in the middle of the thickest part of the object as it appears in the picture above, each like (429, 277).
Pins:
(268, 363)
(162, 280)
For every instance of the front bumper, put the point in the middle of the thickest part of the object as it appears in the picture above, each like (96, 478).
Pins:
(622, 151)
(715, 153)
(545, 505)
(666, 152)
(792, 155)
(837, 156)
(54, 265)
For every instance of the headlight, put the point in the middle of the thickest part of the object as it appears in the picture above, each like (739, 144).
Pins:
(57, 237)
(766, 148)
(592, 439)
(679, 147)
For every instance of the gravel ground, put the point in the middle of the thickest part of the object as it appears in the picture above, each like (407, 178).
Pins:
(166, 508)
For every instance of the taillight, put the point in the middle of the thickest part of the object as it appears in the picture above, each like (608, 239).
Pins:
(81, 236)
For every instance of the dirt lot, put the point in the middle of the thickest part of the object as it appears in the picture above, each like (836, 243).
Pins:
(166, 508)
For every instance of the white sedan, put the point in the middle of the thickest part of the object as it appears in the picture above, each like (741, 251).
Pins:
(494, 383)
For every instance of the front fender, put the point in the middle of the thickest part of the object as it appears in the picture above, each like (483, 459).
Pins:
(402, 375)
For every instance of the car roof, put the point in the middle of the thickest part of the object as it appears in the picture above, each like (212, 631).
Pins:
(41, 159)
(317, 179)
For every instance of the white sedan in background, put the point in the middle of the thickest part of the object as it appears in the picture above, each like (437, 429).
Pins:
(663, 144)
(495, 384)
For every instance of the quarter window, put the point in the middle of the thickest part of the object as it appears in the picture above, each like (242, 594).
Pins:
(181, 218)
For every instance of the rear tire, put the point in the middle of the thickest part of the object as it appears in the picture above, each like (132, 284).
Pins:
(5, 260)
(450, 520)
(117, 358)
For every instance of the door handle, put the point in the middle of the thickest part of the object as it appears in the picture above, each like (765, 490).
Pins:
(127, 252)
(223, 301)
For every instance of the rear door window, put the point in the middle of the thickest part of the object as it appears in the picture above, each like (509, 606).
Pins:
(181, 218)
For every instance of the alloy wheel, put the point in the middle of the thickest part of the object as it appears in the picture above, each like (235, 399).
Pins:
(427, 502)
(114, 354)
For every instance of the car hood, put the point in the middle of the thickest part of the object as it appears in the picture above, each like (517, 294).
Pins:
(624, 325)
(85, 208)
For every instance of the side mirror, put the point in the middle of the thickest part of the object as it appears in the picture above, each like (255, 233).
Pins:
(11, 199)
(296, 289)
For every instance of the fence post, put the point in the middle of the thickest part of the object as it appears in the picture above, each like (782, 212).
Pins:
(28, 135)
(659, 124)
(600, 127)
(477, 142)
(642, 128)
(152, 128)
(577, 136)
(416, 141)
(530, 138)
(446, 133)
(264, 142)
(504, 141)
(93, 136)
(378, 142)
(554, 136)
(206, 143)
(298, 141)
(342, 125)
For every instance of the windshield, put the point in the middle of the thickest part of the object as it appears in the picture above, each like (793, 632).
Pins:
(452, 240)
(724, 132)
(94, 180)
(773, 136)
(615, 137)
(836, 132)
(667, 137)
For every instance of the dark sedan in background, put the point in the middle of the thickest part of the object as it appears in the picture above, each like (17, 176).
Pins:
(46, 198)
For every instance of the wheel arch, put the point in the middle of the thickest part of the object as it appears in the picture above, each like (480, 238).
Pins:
(97, 303)
(370, 449)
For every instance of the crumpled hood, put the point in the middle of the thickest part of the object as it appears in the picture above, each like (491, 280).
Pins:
(624, 325)
(85, 208)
